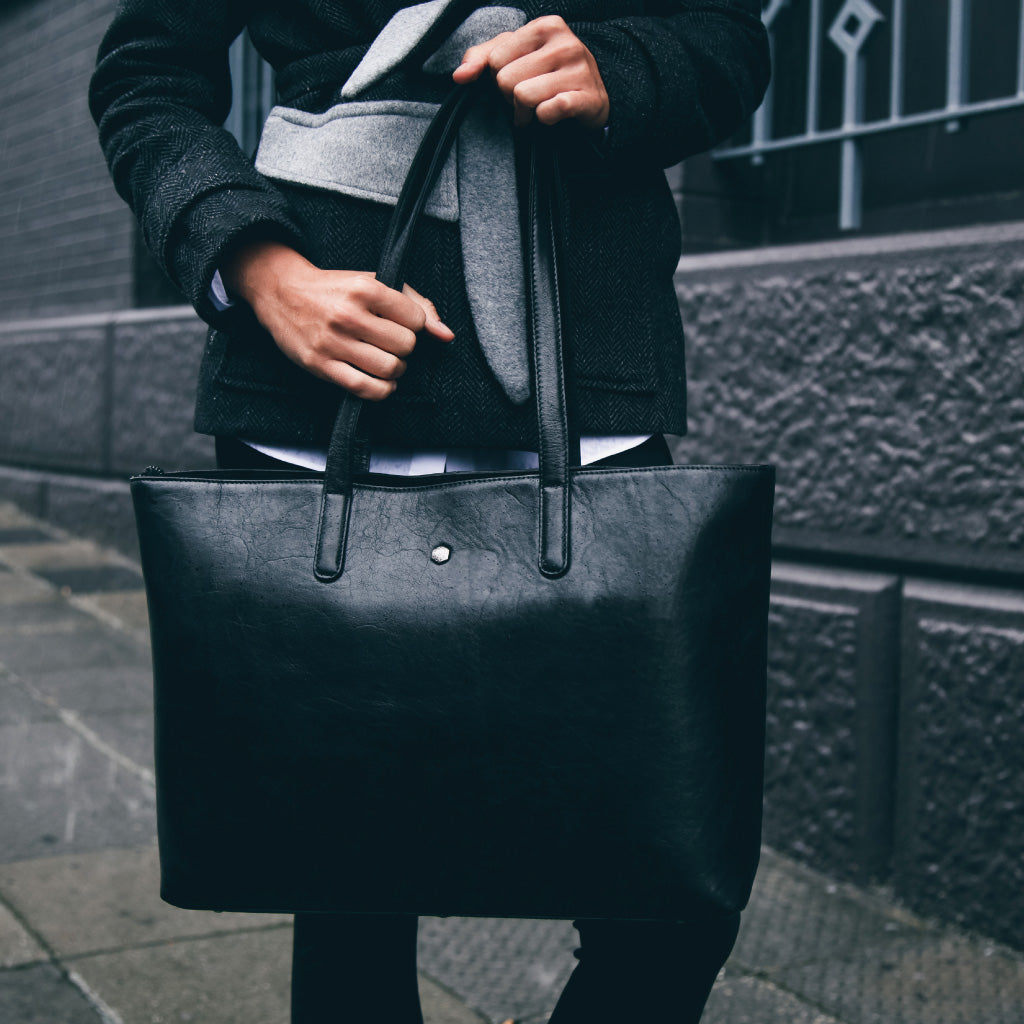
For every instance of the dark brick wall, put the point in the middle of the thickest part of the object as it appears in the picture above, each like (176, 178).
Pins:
(65, 236)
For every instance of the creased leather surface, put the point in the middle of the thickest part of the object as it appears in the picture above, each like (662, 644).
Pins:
(468, 738)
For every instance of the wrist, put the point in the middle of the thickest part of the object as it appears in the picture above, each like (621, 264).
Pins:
(254, 269)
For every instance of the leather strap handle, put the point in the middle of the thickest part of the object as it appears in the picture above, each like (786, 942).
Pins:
(545, 311)
(546, 322)
(343, 450)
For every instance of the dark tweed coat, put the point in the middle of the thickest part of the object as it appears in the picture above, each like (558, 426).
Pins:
(680, 75)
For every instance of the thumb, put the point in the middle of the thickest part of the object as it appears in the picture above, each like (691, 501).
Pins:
(434, 325)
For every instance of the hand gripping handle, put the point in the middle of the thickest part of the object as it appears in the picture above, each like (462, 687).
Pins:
(545, 328)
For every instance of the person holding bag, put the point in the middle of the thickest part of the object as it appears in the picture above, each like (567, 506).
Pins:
(278, 255)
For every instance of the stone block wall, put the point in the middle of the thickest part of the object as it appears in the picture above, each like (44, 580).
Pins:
(960, 821)
(833, 654)
(87, 401)
(885, 380)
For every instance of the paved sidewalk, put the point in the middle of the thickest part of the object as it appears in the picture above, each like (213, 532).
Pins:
(84, 938)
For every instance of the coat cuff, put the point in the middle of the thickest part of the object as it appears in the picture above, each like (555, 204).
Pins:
(629, 75)
(209, 231)
(680, 84)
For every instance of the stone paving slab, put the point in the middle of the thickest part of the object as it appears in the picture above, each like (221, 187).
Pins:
(236, 979)
(92, 579)
(20, 588)
(52, 614)
(100, 690)
(32, 654)
(737, 999)
(23, 535)
(17, 947)
(797, 914)
(87, 903)
(12, 518)
(505, 968)
(129, 732)
(938, 978)
(42, 995)
(101, 916)
(18, 707)
(56, 554)
(59, 794)
(125, 609)
(443, 1007)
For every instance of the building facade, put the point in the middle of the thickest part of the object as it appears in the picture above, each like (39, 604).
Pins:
(853, 290)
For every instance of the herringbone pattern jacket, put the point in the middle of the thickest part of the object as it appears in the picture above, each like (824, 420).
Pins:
(680, 75)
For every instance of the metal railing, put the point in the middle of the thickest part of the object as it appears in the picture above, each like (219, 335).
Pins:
(849, 32)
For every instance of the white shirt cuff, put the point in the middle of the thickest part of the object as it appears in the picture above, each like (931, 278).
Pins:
(219, 294)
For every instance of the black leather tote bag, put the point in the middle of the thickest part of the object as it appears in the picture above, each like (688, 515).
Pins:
(522, 694)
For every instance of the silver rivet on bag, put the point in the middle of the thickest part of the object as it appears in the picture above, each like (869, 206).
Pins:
(440, 554)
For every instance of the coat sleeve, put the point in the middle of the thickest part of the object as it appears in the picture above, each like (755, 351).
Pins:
(159, 95)
(680, 79)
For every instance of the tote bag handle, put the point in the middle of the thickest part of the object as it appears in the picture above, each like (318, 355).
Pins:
(544, 328)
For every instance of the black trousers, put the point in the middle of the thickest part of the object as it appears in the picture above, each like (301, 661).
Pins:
(351, 969)
(358, 969)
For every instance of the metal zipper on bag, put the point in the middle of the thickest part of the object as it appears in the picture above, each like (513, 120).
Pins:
(152, 471)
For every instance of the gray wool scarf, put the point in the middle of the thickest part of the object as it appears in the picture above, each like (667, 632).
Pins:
(364, 149)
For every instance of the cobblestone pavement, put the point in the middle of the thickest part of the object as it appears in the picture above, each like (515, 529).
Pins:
(84, 938)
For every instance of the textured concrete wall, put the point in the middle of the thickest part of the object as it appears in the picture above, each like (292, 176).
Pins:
(895, 738)
(885, 380)
(833, 657)
(65, 236)
(960, 837)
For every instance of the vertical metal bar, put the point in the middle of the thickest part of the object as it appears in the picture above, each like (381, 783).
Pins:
(898, 69)
(762, 123)
(851, 186)
(959, 59)
(762, 127)
(266, 91)
(253, 86)
(1020, 54)
(236, 61)
(250, 95)
(814, 67)
(851, 181)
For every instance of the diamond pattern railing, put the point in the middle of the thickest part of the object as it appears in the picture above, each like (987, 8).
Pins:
(849, 31)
